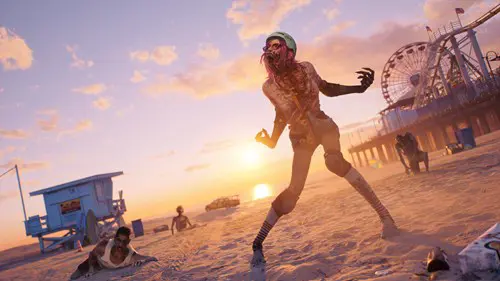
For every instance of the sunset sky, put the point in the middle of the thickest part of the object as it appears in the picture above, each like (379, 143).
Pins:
(169, 91)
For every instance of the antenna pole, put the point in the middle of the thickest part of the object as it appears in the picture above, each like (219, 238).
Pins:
(20, 191)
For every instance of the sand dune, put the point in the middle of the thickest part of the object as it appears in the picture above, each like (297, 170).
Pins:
(331, 235)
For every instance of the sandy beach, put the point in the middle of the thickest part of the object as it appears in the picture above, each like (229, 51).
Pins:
(331, 235)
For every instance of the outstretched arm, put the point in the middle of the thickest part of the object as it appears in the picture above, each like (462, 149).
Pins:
(138, 259)
(335, 90)
(173, 223)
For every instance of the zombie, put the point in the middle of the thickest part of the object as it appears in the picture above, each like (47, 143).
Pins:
(180, 221)
(293, 88)
(407, 146)
(113, 253)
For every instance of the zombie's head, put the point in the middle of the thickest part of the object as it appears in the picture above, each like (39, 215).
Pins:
(122, 237)
(180, 209)
(279, 53)
(400, 138)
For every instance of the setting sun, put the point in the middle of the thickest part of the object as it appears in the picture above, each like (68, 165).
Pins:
(261, 191)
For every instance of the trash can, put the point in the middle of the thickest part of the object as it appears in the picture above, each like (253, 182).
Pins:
(466, 137)
(138, 228)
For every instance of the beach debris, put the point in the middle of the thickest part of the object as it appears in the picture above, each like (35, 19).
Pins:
(437, 260)
(483, 253)
(160, 228)
(453, 148)
(382, 272)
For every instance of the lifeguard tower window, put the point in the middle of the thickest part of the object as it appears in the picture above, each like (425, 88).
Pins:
(70, 206)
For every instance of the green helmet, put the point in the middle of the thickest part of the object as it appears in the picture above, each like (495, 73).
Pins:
(289, 41)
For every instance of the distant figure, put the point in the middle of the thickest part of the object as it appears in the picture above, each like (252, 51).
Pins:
(180, 221)
(113, 253)
(407, 146)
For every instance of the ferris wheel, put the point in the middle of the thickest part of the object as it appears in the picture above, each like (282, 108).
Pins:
(402, 71)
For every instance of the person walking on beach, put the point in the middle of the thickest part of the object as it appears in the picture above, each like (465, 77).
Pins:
(293, 88)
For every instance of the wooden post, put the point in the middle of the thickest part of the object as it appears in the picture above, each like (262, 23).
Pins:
(381, 154)
(359, 159)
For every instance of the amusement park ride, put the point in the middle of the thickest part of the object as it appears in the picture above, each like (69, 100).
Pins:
(450, 64)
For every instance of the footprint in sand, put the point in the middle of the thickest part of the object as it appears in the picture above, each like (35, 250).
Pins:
(228, 246)
(287, 252)
(342, 247)
(307, 248)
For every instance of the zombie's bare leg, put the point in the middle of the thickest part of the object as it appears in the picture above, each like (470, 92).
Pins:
(285, 202)
(336, 163)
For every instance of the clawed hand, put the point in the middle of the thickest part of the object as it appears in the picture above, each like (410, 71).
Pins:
(366, 77)
(141, 262)
(264, 138)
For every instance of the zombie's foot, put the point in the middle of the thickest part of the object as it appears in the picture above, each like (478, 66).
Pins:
(258, 259)
(389, 228)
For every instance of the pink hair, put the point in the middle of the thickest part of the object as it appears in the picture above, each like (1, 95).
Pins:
(286, 61)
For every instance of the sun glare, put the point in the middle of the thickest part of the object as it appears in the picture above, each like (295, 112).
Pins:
(251, 156)
(261, 191)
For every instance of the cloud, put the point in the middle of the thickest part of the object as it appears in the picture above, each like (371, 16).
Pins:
(343, 26)
(14, 52)
(93, 89)
(198, 167)
(137, 77)
(336, 57)
(84, 125)
(442, 11)
(217, 146)
(162, 55)
(8, 194)
(25, 166)
(76, 61)
(142, 56)
(164, 155)
(125, 111)
(208, 51)
(331, 13)
(48, 112)
(204, 80)
(102, 103)
(261, 17)
(13, 134)
(7, 150)
(51, 123)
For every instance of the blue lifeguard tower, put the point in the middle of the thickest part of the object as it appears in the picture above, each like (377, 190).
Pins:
(80, 208)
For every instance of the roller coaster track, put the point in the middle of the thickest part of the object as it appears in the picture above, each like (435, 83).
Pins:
(436, 50)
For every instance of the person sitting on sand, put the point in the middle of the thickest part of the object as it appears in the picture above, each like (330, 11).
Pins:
(407, 145)
(113, 253)
(181, 221)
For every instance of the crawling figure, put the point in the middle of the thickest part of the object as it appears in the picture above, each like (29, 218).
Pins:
(113, 253)
(407, 146)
